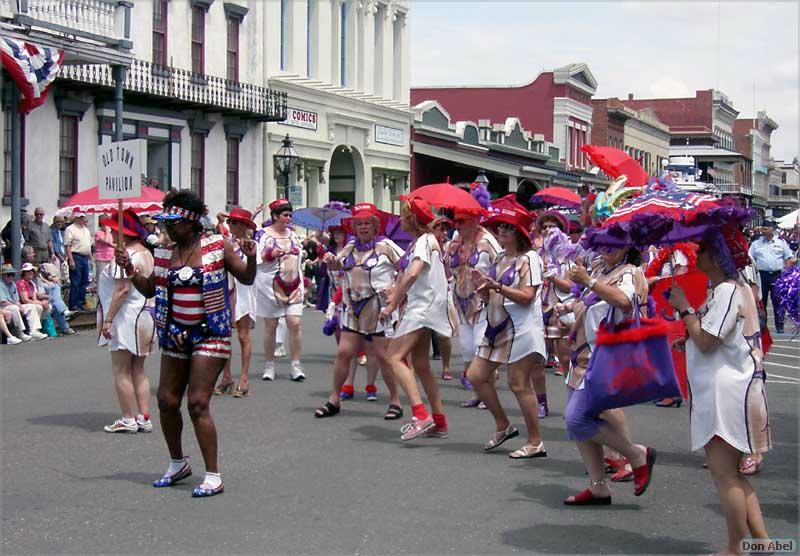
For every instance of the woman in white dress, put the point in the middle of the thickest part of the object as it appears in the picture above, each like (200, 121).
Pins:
(126, 326)
(279, 286)
(514, 330)
(726, 379)
(241, 226)
(420, 294)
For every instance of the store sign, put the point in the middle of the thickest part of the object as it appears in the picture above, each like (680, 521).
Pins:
(301, 118)
(120, 169)
(296, 195)
(388, 135)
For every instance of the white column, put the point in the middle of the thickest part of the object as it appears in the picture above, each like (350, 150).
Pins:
(405, 79)
(271, 38)
(320, 50)
(364, 192)
(512, 184)
(376, 22)
(397, 57)
(387, 64)
(351, 40)
(334, 53)
(295, 45)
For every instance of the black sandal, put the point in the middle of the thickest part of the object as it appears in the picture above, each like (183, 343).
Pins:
(327, 410)
(394, 412)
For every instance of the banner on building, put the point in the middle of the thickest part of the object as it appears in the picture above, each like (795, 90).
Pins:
(296, 195)
(120, 169)
(33, 69)
(300, 118)
(388, 135)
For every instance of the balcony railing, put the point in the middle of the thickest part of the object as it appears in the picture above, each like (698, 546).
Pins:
(783, 200)
(188, 89)
(734, 188)
(104, 21)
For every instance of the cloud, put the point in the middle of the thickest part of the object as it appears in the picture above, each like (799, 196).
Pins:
(667, 87)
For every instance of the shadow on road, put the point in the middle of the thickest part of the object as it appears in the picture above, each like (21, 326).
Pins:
(90, 421)
(595, 539)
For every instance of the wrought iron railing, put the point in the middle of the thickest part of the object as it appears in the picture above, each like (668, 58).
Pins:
(103, 20)
(185, 86)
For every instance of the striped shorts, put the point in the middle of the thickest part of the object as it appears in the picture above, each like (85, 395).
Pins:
(214, 346)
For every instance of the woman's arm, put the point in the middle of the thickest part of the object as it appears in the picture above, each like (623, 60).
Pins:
(245, 272)
(121, 287)
(612, 295)
(404, 282)
(703, 340)
(146, 285)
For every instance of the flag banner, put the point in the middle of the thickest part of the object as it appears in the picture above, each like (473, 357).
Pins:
(33, 69)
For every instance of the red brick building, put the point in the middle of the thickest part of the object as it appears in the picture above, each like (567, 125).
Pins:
(557, 105)
(608, 122)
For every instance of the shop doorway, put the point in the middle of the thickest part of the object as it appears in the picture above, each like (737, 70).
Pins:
(158, 164)
(342, 176)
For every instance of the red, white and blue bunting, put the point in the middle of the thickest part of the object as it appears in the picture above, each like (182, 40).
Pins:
(33, 68)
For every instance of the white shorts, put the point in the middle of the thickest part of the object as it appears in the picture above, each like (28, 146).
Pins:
(245, 302)
(266, 309)
(470, 336)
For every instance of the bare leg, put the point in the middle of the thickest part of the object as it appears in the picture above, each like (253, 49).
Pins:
(422, 366)
(141, 385)
(446, 346)
(352, 367)
(519, 380)
(536, 373)
(243, 332)
(377, 351)
(399, 348)
(121, 361)
(592, 456)
(348, 343)
(737, 497)
(4, 327)
(270, 326)
(562, 353)
(295, 336)
(481, 375)
(171, 386)
(201, 384)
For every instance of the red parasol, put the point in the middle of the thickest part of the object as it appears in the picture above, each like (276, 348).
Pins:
(558, 196)
(615, 162)
(89, 200)
(446, 196)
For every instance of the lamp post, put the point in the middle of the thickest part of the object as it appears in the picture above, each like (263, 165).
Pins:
(285, 160)
(481, 179)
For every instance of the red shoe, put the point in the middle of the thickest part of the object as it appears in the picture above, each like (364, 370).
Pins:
(446, 375)
(622, 475)
(643, 473)
(614, 465)
(586, 498)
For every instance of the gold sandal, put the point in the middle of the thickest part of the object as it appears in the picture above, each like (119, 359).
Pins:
(223, 389)
(240, 392)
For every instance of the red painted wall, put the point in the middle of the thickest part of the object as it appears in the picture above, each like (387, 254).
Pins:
(676, 112)
(532, 103)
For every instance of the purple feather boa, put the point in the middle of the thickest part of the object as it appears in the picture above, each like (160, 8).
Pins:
(330, 326)
(786, 290)
(336, 205)
(481, 195)
(558, 248)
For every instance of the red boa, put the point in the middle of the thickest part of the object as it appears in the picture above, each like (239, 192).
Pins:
(665, 253)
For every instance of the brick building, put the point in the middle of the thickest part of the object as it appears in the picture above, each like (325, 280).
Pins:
(556, 105)
(752, 139)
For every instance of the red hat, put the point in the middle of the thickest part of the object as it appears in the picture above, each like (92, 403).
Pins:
(278, 203)
(242, 215)
(362, 211)
(519, 218)
(131, 224)
(563, 223)
(421, 211)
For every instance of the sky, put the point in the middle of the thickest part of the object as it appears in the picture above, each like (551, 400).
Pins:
(749, 51)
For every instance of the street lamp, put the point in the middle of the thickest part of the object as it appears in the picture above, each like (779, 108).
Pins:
(285, 160)
(482, 179)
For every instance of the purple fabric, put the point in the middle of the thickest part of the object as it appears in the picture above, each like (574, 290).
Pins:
(630, 373)
(580, 417)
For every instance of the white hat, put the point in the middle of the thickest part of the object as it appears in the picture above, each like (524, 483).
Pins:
(27, 266)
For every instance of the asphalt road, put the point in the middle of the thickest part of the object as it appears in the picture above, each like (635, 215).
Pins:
(345, 485)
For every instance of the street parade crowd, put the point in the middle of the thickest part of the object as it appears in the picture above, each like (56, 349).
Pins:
(629, 306)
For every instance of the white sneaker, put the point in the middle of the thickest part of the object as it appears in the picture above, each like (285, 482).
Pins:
(297, 372)
(120, 426)
(36, 335)
(24, 337)
(280, 351)
(13, 340)
(144, 425)
(269, 372)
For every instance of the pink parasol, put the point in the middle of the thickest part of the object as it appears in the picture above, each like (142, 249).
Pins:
(89, 200)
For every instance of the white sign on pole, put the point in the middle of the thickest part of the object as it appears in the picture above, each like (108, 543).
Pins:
(120, 169)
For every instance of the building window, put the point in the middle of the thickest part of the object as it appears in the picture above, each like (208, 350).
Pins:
(283, 35)
(343, 47)
(198, 164)
(198, 39)
(233, 49)
(783, 177)
(7, 158)
(68, 156)
(160, 8)
(232, 172)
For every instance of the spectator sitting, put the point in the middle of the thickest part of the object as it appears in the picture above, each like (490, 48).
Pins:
(10, 301)
(30, 294)
(47, 280)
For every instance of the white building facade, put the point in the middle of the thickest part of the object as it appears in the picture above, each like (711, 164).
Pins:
(344, 65)
(206, 84)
